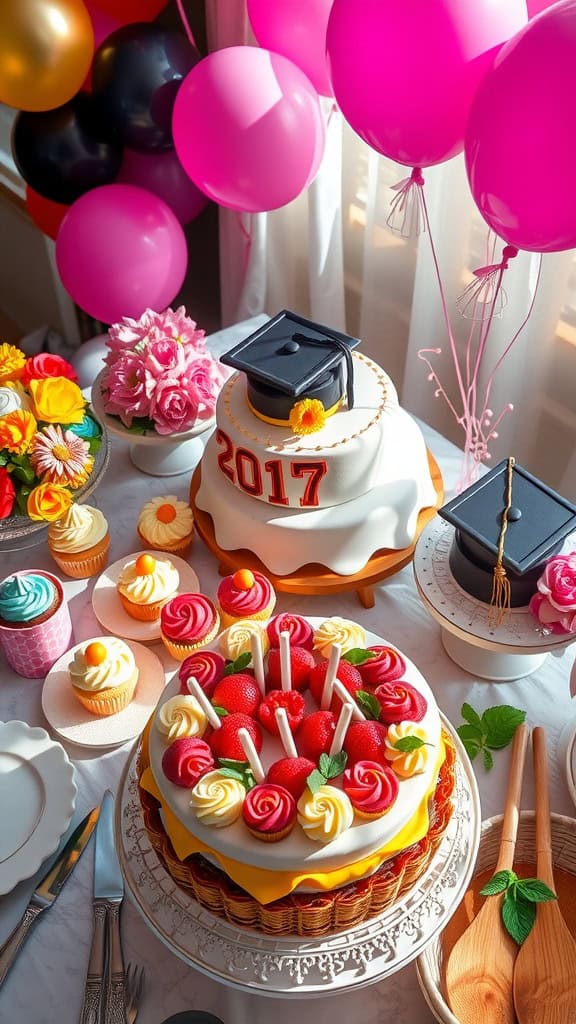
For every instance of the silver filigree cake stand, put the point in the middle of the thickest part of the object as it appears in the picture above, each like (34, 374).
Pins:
(293, 967)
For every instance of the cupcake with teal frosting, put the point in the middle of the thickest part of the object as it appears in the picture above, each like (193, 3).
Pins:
(35, 625)
(26, 599)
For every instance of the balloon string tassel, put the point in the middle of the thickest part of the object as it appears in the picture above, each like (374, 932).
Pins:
(501, 593)
(406, 217)
(485, 297)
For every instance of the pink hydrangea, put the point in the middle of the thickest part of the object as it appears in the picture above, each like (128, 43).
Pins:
(173, 407)
(129, 387)
(554, 604)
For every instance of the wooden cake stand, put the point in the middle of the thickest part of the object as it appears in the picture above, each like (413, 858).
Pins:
(315, 579)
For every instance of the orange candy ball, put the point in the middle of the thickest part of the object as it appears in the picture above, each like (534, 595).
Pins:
(243, 579)
(95, 653)
(166, 513)
(145, 565)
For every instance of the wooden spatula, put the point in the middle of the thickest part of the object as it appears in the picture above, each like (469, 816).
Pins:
(545, 969)
(480, 967)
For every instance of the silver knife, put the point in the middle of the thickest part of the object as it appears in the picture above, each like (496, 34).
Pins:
(95, 975)
(109, 889)
(48, 889)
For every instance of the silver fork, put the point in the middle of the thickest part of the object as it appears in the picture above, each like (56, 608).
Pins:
(133, 989)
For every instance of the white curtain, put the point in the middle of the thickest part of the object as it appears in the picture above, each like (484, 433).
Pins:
(329, 255)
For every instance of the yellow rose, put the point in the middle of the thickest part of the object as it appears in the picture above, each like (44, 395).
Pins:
(17, 429)
(12, 362)
(49, 502)
(57, 400)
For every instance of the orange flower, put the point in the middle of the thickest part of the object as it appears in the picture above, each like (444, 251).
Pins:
(17, 429)
(57, 400)
(48, 502)
(307, 416)
(12, 362)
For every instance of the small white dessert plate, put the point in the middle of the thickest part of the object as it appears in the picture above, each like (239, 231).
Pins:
(73, 723)
(37, 798)
(108, 607)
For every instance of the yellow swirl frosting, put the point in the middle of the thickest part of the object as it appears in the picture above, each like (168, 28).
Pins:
(325, 814)
(181, 716)
(237, 639)
(338, 631)
(408, 762)
(165, 520)
(217, 800)
(151, 587)
(117, 667)
(79, 529)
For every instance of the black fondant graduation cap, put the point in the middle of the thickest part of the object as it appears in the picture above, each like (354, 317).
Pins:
(290, 358)
(538, 522)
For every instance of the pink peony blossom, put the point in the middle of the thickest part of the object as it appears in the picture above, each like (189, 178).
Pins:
(165, 357)
(558, 582)
(204, 378)
(173, 407)
(129, 387)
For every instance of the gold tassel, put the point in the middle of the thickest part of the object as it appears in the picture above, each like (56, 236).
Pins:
(501, 591)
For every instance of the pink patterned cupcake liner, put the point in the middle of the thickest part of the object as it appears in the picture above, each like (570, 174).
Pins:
(32, 650)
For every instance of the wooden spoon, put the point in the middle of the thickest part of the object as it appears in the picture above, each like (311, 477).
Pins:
(480, 967)
(545, 969)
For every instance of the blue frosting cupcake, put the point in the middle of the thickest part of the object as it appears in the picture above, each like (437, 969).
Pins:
(26, 599)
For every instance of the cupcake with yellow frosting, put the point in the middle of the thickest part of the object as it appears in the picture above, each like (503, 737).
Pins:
(166, 524)
(145, 584)
(104, 675)
(79, 542)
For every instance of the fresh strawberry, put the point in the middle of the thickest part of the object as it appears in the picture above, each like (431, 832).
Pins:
(224, 741)
(365, 741)
(347, 674)
(238, 692)
(316, 734)
(301, 662)
(291, 700)
(292, 773)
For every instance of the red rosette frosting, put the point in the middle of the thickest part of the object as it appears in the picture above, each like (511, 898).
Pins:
(387, 665)
(400, 702)
(186, 760)
(188, 617)
(206, 667)
(371, 787)
(269, 808)
(300, 630)
(244, 603)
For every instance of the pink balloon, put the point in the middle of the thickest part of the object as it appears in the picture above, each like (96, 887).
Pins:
(119, 250)
(163, 174)
(537, 6)
(248, 128)
(404, 72)
(297, 29)
(520, 141)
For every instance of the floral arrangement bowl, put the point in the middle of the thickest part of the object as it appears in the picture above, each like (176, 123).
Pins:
(53, 449)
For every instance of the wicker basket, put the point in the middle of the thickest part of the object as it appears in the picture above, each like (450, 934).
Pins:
(429, 965)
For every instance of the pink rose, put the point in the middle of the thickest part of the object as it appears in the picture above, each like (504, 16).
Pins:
(547, 615)
(128, 389)
(164, 356)
(174, 408)
(558, 582)
(204, 379)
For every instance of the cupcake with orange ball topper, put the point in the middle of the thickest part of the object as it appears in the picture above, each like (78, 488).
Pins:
(104, 675)
(245, 595)
(166, 524)
(145, 584)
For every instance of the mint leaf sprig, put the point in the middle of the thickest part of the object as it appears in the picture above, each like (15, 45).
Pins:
(328, 768)
(241, 662)
(519, 904)
(239, 770)
(493, 730)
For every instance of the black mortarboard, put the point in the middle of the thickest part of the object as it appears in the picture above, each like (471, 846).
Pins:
(290, 358)
(538, 522)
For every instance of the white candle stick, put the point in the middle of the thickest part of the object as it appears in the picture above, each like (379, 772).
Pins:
(347, 698)
(333, 663)
(258, 661)
(285, 670)
(197, 691)
(251, 755)
(342, 724)
(285, 733)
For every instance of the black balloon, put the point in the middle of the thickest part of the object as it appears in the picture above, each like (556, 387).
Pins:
(65, 152)
(136, 74)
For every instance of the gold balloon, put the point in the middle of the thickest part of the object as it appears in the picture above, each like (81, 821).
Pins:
(46, 49)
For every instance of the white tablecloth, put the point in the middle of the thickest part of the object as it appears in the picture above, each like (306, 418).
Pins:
(47, 981)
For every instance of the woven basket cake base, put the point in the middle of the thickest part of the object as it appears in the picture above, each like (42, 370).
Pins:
(308, 915)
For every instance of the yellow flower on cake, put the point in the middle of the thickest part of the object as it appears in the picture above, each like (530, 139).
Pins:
(48, 502)
(61, 457)
(12, 362)
(57, 400)
(307, 416)
(17, 429)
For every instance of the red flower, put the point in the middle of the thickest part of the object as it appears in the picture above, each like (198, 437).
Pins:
(7, 493)
(44, 365)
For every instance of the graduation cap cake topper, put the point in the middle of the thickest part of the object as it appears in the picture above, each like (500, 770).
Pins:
(295, 365)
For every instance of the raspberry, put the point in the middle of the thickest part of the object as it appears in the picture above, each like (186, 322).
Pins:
(365, 741)
(224, 741)
(316, 734)
(347, 674)
(291, 700)
(301, 662)
(237, 692)
(292, 773)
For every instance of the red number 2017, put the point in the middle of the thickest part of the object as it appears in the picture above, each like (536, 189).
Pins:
(247, 469)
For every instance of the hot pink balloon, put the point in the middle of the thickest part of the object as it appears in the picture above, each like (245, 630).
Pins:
(520, 141)
(119, 250)
(297, 29)
(248, 128)
(163, 174)
(537, 6)
(404, 72)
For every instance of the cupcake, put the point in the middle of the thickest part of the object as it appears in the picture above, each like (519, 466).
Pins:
(145, 584)
(206, 667)
(104, 675)
(269, 812)
(35, 625)
(186, 760)
(371, 787)
(166, 524)
(79, 542)
(245, 595)
(187, 622)
(217, 799)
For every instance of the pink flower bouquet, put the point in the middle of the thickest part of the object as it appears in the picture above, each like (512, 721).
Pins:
(160, 376)
(554, 603)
